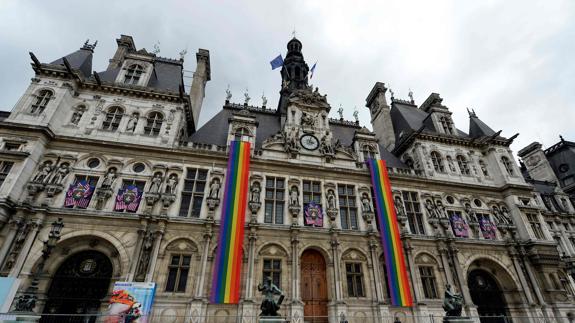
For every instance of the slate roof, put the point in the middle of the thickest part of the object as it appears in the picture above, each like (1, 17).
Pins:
(215, 131)
(478, 128)
(4, 115)
(80, 59)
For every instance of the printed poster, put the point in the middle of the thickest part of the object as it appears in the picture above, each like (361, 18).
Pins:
(131, 302)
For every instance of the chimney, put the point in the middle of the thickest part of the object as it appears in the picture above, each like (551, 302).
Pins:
(380, 116)
(198, 89)
(536, 163)
(125, 44)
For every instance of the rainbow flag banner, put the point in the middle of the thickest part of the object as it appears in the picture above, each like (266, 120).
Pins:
(228, 262)
(389, 231)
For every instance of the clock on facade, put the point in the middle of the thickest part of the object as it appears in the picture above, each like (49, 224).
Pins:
(309, 142)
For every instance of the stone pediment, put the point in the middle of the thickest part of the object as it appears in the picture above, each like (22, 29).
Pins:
(307, 98)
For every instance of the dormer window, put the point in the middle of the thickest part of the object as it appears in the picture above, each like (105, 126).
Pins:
(242, 134)
(368, 153)
(42, 100)
(447, 125)
(437, 162)
(463, 165)
(508, 166)
(133, 74)
(113, 118)
(154, 124)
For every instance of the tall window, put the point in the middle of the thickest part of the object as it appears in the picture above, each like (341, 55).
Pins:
(275, 200)
(428, 282)
(273, 269)
(533, 220)
(508, 166)
(446, 125)
(5, 167)
(354, 280)
(113, 118)
(42, 100)
(437, 162)
(311, 192)
(463, 165)
(193, 192)
(368, 153)
(242, 134)
(133, 74)
(413, 210)
(153, 123)
(178, 271)
(347, 206)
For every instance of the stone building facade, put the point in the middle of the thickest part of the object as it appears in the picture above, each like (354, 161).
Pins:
(469, 218)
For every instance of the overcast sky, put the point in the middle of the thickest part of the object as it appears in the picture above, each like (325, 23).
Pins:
(511, 61)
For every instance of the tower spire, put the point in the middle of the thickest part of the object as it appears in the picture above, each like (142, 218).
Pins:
(294, 72)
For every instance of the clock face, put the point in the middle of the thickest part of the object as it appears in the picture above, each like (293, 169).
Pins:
(309, 142)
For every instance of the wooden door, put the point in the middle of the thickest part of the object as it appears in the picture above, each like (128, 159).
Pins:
(314, 287)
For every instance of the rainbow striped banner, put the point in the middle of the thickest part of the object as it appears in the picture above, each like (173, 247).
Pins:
(389, 231)
(227, 268)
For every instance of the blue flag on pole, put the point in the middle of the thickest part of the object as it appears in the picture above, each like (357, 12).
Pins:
(311, 70)
(277, 62)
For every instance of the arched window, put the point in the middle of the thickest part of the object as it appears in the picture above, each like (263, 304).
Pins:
(427, 267)
(508, 166)
(42, 100)
(463, 165)
(242, 134)
(153, 124)
(368, 153)
(133, 74)
(437, 162)
(113, 118)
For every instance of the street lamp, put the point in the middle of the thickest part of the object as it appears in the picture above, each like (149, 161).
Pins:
(27, 301)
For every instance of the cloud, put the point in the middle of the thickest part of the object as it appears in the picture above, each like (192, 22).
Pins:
(509, 60)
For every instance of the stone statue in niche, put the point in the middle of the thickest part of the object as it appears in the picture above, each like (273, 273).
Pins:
(399, 208)
(156, 185)
(450, 164)
(145, 258)
(215, 188)
(365, 203)
(60, 174)
(171, 184)
(470, 213)
(500, 216)
(431, 210)
(440, 209)
(325, 146)
(307, 119)
(255, 192)
(294, 196)
(76, 116)
(292, 139)
(109, 178)
(132, 122)
(330, 199)
(43, 172)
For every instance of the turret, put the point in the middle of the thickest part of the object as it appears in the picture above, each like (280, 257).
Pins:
(125, 44)
(198, 89)
(380, 115)
(294, 73)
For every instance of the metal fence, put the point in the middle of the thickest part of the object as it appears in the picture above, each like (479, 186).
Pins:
(102, 318)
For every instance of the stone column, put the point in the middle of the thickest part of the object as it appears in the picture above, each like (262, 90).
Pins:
(204, 266)
(446, 266)
(336, 267)
(251, 258)
(375, 269)
(136, 252)
(296, 304)
(36, 227)
(411, 266)
(527, 291)
(159, 235)
(461, 281)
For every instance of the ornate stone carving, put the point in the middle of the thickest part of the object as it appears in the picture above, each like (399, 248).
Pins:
(294, 206)
(145, 256)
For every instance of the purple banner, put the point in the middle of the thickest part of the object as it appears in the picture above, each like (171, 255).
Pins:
(460, 228)
(79, 195)
(313, 215)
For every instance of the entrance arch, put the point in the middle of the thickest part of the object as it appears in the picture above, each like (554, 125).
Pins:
(487, 295)
(314, 287)
(79, 285)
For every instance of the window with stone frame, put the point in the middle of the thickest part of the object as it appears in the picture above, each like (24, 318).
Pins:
(242, 134)
(385, 282)
(533, 220)
(368, 153)
(354, 276)
(508, 165)
(178, 272)
(5, 167)
(347, 207)
(274, 200)
(273, 269)
(193, 192)
(154, 123)
(133, 74)
(311, 192)
(437, 162)
(463, 165)
(112, 118)
(12, 146)
(428, 282)
(413, 211)
(41, 101)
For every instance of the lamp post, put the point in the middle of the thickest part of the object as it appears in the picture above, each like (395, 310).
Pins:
(27, 301)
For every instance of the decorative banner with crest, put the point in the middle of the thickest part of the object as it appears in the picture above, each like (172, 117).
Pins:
(128, 199)
(460, 228)
(487, 227)
(313, 215)
(79, 194)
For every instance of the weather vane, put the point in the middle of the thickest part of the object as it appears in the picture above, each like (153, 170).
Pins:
(293, 32)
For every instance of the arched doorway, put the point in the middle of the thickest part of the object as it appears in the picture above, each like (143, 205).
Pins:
(78, 287)
(314, 287)
(487, 296)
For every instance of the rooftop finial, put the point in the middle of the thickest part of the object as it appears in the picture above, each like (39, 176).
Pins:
(340, 112)
(410, 94)
(156, 48)
(356, 114)
(391, 93)
(471, 113)
(228, 94)
(264, 100)
(293, 32)
(246, 97)
(183, 54)
(88, 46)
(561, 137)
